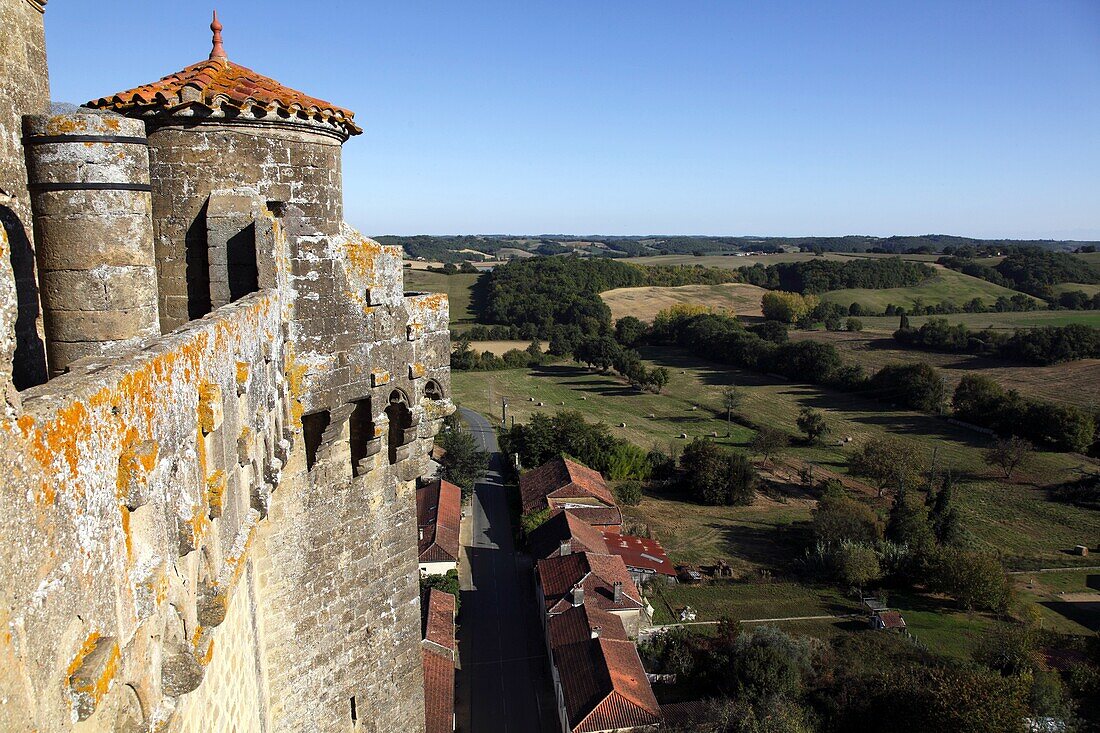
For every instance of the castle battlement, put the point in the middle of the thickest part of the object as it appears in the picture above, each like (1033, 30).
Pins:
(216, 399)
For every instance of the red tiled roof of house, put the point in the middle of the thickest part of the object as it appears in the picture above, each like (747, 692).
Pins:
(604, 686)
(891, 619)
(545, 541)
(639, 552)
(439, 692)
(595, 574)
(579, 622)
(439, 664)
(438, 513)
(561, 478)
(439, 626)
(217, 85)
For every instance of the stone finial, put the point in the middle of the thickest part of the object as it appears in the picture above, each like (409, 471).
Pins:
(217, 51)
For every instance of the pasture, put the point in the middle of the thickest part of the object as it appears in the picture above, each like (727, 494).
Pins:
(1071, 383)
(1014, 519)
(458, 288)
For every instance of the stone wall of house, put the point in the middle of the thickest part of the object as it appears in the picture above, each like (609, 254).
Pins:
(24, 89)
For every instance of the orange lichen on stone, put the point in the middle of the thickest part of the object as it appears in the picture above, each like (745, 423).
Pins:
(295, 378)
(244, 369)
(85, 649)
(210, 407)
(215, 493)
(124, 512)
(361, 256)
(134, 466)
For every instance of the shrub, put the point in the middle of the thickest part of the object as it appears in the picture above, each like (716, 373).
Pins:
(629, 493)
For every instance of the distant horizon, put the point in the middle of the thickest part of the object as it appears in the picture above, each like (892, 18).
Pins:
(976, 118)
(515, 235)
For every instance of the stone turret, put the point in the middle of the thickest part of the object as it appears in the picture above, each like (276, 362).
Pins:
(217, 125)
(89, 181)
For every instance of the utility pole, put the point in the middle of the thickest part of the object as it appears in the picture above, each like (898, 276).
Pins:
(504, 411)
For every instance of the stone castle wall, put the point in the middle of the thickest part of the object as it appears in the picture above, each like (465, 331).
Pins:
(214, 528)
(24, 89)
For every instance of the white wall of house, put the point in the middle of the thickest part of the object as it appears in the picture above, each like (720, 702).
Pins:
(437, 568)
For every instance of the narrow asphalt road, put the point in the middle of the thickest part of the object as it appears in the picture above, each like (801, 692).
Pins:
(504, 682)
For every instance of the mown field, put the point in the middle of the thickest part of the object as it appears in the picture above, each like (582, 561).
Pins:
(1071, 383)
(1014, 519)
(948, 286)
(459, 290)
(646, 302)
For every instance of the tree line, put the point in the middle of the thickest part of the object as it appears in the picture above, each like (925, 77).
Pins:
(1031, 270)
(722, 338)
(1046, 345)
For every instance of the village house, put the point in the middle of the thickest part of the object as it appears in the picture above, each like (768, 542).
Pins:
(598, 676)
(439, 650)
(438, 514)
(564, 485)
(563, 534)
(644, 557)
(587, 578)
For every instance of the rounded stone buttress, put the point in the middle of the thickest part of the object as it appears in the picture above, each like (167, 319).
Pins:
(90, 196)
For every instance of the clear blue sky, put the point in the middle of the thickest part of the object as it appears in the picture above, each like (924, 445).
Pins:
(972, 118)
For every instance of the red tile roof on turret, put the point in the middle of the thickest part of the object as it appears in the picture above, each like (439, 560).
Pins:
(217, 84)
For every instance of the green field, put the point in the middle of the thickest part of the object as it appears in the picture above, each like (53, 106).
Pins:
(1003, 321)
(744, 601)
(1087, 288)
(1070, 383)
(1013, 519)
(948, 286)
(459, 290)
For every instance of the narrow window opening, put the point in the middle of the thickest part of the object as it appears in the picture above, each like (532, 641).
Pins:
(400, 420)
(242, 270)
(277, 208)
(354, 713)
(433, 391)
(313, 428)
(361, 428)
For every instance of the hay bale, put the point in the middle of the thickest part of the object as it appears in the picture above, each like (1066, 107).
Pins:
(622, 425)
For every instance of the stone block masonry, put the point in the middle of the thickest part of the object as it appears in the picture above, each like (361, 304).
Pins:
(209, 507)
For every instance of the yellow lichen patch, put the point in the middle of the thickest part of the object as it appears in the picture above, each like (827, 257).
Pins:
(85, 649)
(243, 371)
(215, 493)
(203, 645)
(61, 125)
(134, 466)
(361, 256)
(210, 407)
(124, 513)
(295, 377)
(94, 681)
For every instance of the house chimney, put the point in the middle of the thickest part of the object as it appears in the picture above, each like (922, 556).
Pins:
(420, 531)
(617, 591)
(566, 547)
(578, 595)
(595, 632)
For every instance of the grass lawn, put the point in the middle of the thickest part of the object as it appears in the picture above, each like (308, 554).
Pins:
(1069, 601)
(743, 601)
(1088, 288)
(459, 290)
(1013, 519)
(940, 627)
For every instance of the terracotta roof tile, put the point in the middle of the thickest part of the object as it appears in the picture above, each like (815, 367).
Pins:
(439, 692)
(595, 574)
(219, 85)
(598, 516)
(438, 513)
(604, 686)
(545, 541)
(439, 625)
(639, 552)
(561, 478)
(578, 622)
